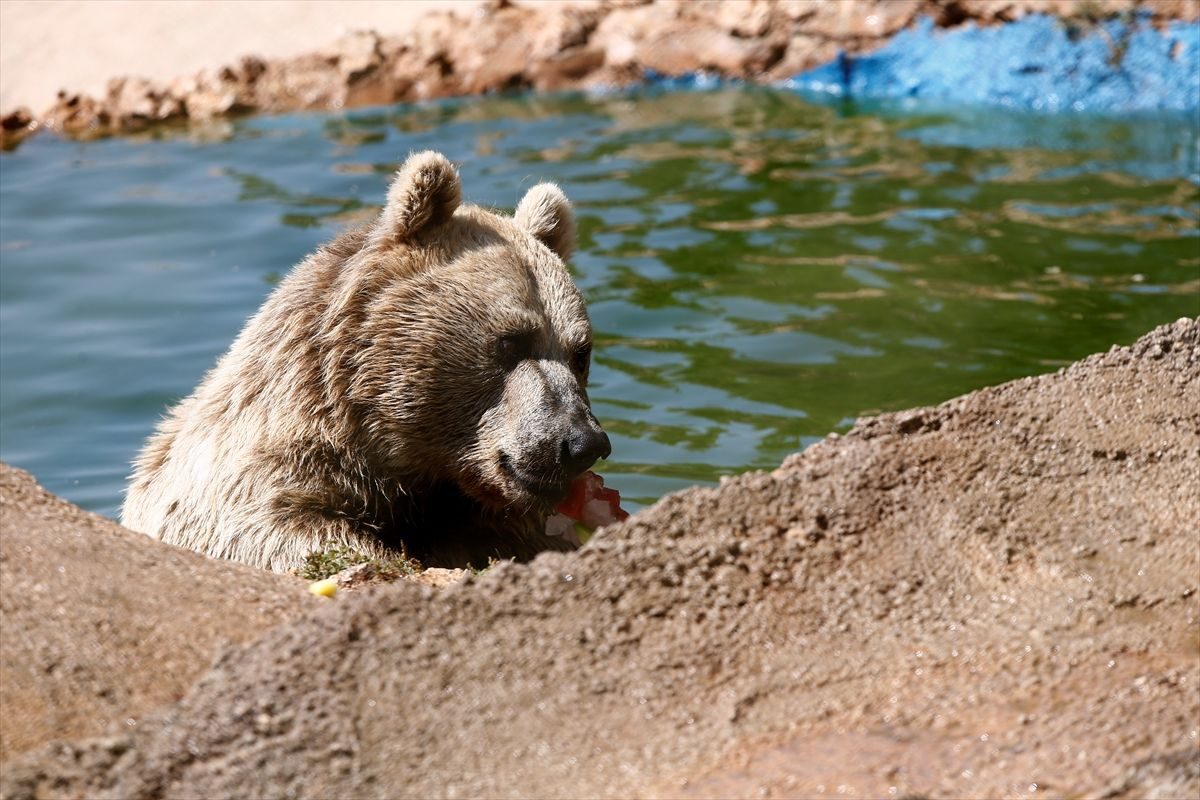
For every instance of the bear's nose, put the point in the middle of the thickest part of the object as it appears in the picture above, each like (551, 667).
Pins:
(582, 447)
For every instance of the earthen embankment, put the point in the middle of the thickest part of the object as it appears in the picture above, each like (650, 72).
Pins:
(993, 597)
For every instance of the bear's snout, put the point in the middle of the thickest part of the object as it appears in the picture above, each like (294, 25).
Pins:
(547, 464)
(545, 433)
(583, 447)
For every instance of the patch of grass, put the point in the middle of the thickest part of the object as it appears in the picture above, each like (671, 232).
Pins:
(492, 561)
(321, 564)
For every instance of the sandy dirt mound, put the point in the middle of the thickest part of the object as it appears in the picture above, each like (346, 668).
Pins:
(993, 597)
(101, 624)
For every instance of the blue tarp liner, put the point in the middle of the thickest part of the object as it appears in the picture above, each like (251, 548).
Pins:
(1038, 63)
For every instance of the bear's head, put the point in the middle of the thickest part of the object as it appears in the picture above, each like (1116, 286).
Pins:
(471, 343)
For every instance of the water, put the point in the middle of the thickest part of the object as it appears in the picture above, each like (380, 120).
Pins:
(760, 270)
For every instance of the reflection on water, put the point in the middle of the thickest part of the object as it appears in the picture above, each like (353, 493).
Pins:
(760, 270)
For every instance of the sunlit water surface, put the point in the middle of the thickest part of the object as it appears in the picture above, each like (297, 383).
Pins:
(760, 270)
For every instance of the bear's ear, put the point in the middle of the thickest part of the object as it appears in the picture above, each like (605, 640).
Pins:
(546, 213)
(424, 193)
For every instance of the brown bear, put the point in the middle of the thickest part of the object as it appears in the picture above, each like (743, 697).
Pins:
(418, 383)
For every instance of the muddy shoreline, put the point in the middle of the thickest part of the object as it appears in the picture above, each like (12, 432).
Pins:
(505, 46)
(996, 596)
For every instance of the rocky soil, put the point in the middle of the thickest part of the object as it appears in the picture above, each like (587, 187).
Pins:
(506, 46)
(101, 624)
(995, 597)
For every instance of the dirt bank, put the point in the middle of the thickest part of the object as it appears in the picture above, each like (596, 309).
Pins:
(993, 597)
(500, 46)
(101, 624)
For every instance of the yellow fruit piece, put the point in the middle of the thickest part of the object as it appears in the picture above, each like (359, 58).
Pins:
(325, 588)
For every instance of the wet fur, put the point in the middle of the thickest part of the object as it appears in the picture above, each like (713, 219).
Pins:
(350, 412)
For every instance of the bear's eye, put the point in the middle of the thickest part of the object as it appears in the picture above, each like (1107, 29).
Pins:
(579, 361)
(514, 348)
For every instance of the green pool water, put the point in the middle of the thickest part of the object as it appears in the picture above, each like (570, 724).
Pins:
(760, 270)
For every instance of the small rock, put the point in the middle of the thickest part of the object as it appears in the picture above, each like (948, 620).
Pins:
(439, 577)
(356, 53)
(745, 19)
(359, 575)
(15, 126)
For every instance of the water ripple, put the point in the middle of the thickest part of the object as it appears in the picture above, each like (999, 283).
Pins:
(760, 270)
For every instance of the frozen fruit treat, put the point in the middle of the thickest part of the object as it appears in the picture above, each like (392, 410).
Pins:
(589, 505)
